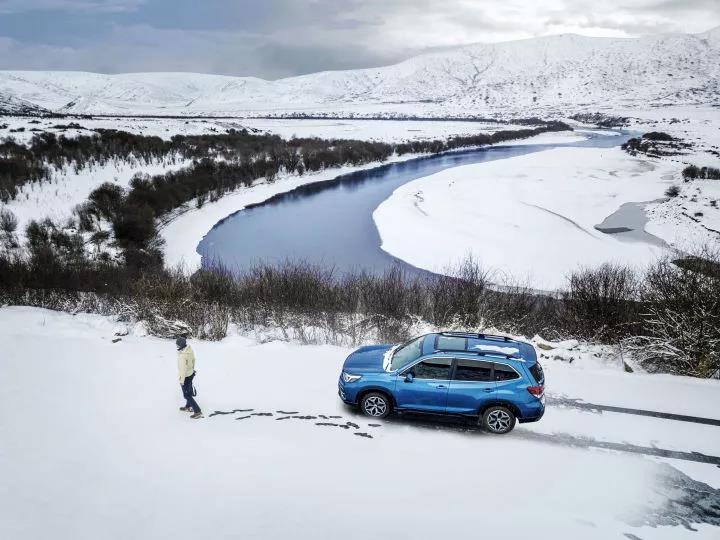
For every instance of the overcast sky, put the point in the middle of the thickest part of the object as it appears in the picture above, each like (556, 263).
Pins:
(278, 38)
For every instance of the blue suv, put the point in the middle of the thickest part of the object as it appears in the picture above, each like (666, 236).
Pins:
(495, 379)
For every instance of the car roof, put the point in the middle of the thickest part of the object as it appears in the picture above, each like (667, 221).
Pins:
(479, 346)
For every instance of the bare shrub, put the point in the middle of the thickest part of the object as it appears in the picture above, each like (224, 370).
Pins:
(681, 318)
(600, 301)
(8, 221)
(8, 226)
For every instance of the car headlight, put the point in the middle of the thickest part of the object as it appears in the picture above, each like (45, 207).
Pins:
(350, 378)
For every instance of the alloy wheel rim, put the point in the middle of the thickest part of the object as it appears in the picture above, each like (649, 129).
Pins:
(498, 420)
(375, 406)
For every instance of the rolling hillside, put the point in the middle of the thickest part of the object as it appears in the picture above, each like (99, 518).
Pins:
(564, 73)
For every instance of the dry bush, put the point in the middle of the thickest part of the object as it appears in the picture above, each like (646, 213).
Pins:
(601, 302)
(681, 318)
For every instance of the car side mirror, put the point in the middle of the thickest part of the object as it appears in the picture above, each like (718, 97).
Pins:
(409, 377)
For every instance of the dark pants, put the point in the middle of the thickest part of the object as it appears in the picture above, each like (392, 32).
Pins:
(187, 390)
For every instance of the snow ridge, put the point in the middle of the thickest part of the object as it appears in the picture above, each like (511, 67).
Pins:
(564, 72)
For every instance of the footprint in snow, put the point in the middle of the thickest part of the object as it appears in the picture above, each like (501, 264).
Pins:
(292, 415)
(218, 413)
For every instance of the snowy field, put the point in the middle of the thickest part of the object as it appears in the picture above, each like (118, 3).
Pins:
(531, 219)
(22, 129)
(377, 130)
(93, 446)
(698, 125)
(69, 187)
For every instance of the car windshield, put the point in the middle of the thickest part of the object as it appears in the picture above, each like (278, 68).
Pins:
(407, 353)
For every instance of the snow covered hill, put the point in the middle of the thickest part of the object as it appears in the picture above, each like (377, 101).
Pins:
(9, 104)
(557, 73)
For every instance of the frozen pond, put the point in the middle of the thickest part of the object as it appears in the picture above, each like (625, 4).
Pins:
(628, 223)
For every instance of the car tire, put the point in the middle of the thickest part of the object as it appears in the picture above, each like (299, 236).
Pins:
(375, 405)
(498, 420)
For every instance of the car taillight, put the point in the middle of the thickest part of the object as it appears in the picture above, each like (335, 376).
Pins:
(536, 391)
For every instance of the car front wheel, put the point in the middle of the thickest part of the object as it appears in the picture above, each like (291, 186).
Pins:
(375, 404)
(498, 420)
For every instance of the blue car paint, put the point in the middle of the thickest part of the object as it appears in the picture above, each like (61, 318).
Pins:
(446, 396)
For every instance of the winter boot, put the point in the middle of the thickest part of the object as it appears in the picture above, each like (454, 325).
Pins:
(186, 409)
(197, 415)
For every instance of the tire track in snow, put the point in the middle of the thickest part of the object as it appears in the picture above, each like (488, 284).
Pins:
(578, 404)
(464, 426)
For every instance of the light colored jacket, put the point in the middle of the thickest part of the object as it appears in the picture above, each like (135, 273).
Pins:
(186, 363)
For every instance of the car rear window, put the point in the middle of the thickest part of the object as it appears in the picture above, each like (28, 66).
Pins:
(537, 372)
(505, 373)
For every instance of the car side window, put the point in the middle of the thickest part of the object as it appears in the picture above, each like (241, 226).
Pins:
(505, 373)
(434, 368)
(473, 370)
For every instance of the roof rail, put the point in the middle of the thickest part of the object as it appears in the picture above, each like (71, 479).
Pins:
(478, 336)
(509, 356)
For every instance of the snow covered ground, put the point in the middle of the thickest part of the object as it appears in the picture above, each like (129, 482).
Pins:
(529, 218)
(69, 187)
(545, 206)
(697, 207)
(93, 446)
(22, 129)
(378, 130)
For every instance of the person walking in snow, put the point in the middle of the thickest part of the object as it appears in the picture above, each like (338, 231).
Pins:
(186, 372)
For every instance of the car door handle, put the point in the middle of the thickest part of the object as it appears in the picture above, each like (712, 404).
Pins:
(439, 386)
(489, 389)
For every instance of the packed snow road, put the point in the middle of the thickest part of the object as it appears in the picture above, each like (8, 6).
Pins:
(93, 446)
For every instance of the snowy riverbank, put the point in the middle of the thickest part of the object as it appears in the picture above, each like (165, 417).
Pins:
(93, 441)
(529, 218)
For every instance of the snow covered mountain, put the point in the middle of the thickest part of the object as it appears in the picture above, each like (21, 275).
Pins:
(9, 104)
(563, 73)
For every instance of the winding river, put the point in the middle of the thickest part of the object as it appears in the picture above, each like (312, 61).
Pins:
(330, 223)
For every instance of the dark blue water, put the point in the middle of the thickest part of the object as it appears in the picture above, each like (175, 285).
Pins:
(330, 223)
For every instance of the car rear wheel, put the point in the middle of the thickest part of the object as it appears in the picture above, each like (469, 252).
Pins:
(375, 404)
(498, 420)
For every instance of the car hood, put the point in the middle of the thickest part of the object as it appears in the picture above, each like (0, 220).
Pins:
(366, 359)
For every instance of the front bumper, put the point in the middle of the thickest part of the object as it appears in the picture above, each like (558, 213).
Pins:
(348, 395)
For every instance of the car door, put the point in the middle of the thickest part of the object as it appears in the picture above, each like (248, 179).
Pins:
(427, 389)
(471, 387)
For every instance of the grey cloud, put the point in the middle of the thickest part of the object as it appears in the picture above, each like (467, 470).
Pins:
(97, 6)
(279, 38)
